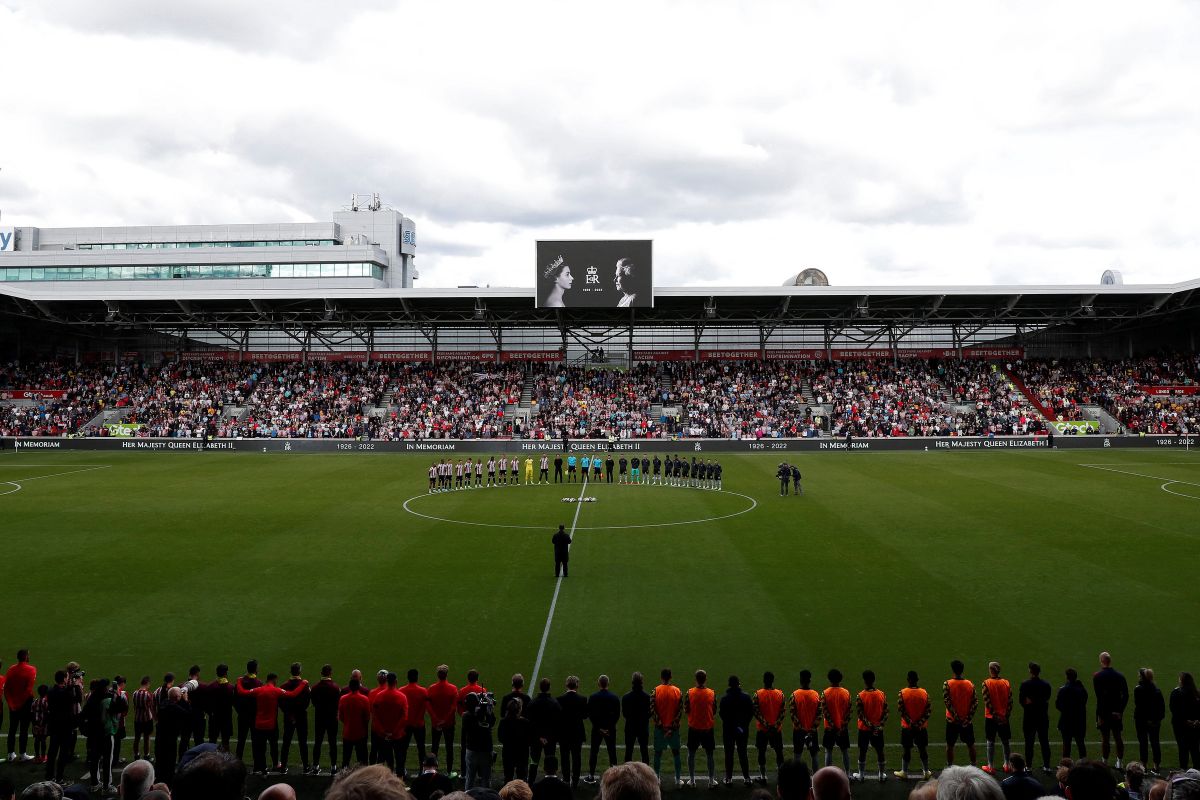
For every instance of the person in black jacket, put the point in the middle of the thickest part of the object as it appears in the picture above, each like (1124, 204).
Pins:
(295, 719)
(1034, 699)
(1149, 708)
(219, 697)
(736, 711)
(544, 714)
(514, 736)
(1111, 691)
(552, 787)
(784, 473)
(1071, 703)
(65, 696)
(1185, 719)
(246, 706)
(635, 707)
(325, 695)
(562, 550)
(517, 695)
(574, 711)
(174, 717)
(477, 723)
(603, 710)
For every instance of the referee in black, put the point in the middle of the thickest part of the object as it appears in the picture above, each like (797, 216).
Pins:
(562, 550)
(558, 476)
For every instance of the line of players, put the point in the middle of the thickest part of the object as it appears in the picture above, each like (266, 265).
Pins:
(447, 475)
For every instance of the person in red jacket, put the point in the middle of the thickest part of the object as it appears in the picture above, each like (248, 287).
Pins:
(418, 699)
(443, 702)
(266, 718)
(354, 712)
(389, 719)
(19, 683)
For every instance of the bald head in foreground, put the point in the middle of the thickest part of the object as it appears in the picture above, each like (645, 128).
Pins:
(830, 783)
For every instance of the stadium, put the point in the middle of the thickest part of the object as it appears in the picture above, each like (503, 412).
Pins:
(232, 433)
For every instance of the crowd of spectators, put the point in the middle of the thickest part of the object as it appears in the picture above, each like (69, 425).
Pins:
(1063, 385)
(577, 402)
(741, 399)
(712, 399)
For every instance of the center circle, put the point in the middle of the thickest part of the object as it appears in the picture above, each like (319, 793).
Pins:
(751, 504)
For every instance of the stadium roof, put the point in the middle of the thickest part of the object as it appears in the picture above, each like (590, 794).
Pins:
(189, 304)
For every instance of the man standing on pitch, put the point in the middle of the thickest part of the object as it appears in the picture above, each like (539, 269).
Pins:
(961, 702)
(1034, 698)
(558, 475)
(997, 711)
(562, 550)
(544, 469)
(1112, 695)
(784, 473)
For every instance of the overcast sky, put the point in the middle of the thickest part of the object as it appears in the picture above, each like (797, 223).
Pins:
(884, 143)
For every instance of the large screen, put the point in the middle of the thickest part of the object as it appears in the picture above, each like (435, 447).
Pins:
(595, 274)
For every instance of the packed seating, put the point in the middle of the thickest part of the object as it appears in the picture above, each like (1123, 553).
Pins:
(742, 399)
(879, 398)
(999, 408)
(597, 403)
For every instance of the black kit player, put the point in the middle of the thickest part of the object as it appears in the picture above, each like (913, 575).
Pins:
(544, 469)
(717, 469)
(558, 473)
(623, 470)
(676, 470)
(657, 470)
(695, 473)
(683, 465)
(645, 470)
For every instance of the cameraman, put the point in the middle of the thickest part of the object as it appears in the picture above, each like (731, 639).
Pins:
(64, 703)
(477, 731)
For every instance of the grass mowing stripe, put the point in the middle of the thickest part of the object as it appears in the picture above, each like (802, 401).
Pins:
(557, 585)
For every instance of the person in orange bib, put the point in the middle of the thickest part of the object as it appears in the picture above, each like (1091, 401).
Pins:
(666, 709)
(997, 711)
(915, 710)
(768, 717)
(700, 706)
(871, 708)
(806, 713)
(835, 711)
(961, 702)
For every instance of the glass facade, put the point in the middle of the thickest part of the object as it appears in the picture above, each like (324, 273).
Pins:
(188, 245)
(193, 272)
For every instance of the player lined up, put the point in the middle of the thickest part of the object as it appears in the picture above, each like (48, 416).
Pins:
(447, 475)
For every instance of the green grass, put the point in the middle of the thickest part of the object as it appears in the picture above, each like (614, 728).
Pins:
(892, 561)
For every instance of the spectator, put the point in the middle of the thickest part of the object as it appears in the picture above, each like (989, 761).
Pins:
(925, 790)
(136, 779)
(376, 782)
(1090, 780)
(516, 790)
(1020, 785)
(831, 783)
(795, 780)
(514, 732)
(18, 686)
(967, 783)
(550, 786)
(1185, 720)
(43, 790)
(211, 776)
(1185, 786)
(7, 790)
(432, 780)
(633, 780)
(1135, 777)
(278, 791)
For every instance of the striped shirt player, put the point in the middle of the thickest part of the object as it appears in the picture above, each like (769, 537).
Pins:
(491, 466)
(458, 475)
(768, 721)
(467, 471)
(145, 711)
(806, 713)
(997, 711)
(835, 712)
(959, 695)
(871, 708)
(915, 711)
(433, 476)
(479, 473)
(544, 469)
(513, 463)
(502, 472)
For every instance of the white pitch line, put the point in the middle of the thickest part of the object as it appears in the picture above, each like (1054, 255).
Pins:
(19, 481)
(557, 585)
(1169, 481)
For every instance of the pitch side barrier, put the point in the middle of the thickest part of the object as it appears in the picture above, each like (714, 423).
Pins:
(442, 447)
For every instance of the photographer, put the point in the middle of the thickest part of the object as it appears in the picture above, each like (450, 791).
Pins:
(477, 731)
(63, 705)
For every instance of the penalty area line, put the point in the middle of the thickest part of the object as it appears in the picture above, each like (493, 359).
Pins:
(537, 665)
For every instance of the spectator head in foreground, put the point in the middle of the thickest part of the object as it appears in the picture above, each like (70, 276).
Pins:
(278, 791)
(42, 790)
(136, 779)
(967, 783)
(375, 782)
(1184, 785)
(516, 790)
(211, 776)
(925, 790)
(795, 780)
(633, 780)
(831, 783)
(1091, 780)
(7, 790)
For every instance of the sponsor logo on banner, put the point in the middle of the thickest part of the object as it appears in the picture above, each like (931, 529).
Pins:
(730, 355)
(664, 355)
(532, 355)
(1171, 390)
(402, 355)
(8, 240)
(33, 394)
(1078, 426)
(122, 429)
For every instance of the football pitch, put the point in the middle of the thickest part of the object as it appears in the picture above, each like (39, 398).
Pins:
(139, 563)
